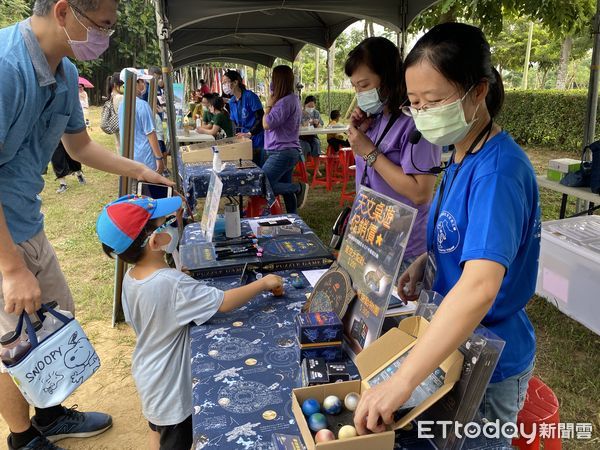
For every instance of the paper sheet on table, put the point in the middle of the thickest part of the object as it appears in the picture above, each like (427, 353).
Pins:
(312, 276)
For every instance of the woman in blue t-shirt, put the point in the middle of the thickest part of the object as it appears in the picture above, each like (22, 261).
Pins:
(246, 111)
(484, 226)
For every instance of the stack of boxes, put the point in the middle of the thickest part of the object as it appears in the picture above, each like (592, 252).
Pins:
(558, 168)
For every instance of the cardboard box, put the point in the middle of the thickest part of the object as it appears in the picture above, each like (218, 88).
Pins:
(564, 165)
(319, 327)
(230, 149)
(371, 363)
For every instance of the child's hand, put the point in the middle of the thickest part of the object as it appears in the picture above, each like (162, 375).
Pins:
(272, 282)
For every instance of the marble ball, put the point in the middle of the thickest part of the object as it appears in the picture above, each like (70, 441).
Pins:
(310, 406)
(324, 435)
(351, 401)
(347, 432)
(332, 405)
(317, 422)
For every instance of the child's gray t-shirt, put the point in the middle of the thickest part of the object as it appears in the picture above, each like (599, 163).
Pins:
(160, 308)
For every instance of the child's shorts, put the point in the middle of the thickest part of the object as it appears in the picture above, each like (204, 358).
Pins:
(175, 437)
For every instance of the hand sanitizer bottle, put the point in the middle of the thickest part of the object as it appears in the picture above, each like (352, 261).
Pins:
(217, 164)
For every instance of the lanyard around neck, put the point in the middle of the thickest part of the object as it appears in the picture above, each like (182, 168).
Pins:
(379, 140)
(484, 133)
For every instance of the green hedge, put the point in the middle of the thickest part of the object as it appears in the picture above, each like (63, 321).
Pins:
(546, 117)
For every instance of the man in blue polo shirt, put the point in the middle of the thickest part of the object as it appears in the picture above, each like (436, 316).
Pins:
(39, 105)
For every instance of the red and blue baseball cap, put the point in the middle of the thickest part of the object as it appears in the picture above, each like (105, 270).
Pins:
(122, 221)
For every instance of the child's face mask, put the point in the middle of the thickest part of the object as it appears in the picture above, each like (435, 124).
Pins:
(173, 232)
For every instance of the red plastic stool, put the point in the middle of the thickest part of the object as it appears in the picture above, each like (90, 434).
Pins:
(300, 172)
(332, 162)
(541, 407)
(257, 206)
(348, 170)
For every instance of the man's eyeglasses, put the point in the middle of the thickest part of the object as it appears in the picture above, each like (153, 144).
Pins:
(107, 31)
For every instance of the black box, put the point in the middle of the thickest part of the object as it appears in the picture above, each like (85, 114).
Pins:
(319, 327)
(314, 372)
(287, 442)
(337, 371)
(329, 351)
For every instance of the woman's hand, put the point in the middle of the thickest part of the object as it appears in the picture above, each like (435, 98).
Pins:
(160, 166)
(359, 141)
(246, 135)
(407, 283)
(378, 404)
(360, 120)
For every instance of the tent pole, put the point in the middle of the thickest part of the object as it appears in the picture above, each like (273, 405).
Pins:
(164, 35)
(592, 98)
(127, 145)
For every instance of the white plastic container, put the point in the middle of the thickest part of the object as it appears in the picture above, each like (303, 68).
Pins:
(569, 270)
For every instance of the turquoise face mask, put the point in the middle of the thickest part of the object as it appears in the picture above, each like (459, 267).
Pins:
(369, 101)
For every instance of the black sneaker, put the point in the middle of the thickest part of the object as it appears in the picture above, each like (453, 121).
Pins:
(302, 195)
(39, 443)
(61, 189)
(75, 424)
(81, 179)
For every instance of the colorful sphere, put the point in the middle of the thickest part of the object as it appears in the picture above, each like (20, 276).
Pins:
(351, 401)
(347, 432)
(317, 422)
(332, 405)
(310, 406)
(324, 435)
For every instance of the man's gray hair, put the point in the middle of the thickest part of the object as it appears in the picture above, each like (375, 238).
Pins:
(43, 7)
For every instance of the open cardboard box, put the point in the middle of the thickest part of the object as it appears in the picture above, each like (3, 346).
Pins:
(371, 361)
(230, 149)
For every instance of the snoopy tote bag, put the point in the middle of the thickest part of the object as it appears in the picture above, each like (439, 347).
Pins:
(55, 367)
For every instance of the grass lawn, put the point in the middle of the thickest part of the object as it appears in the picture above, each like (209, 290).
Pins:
(568, 354)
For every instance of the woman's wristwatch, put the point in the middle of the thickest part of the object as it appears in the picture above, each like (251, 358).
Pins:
(158, 158)
(370, 158)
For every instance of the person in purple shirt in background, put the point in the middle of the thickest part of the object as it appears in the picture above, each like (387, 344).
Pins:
(386, 161)
(282, 122)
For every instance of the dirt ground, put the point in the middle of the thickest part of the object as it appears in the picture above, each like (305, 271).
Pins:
(110, 390)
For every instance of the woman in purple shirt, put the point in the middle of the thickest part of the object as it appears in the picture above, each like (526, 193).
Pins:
(281, 122)
(386, 161)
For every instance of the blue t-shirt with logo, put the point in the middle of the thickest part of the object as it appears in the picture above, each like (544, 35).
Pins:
(145, 124)
(37, 106)
(242, 112)
(491, 211)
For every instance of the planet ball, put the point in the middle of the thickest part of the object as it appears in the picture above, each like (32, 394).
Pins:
(347, 432)
(324, 435)
(351, 401)
(317, 422)
(310, 406)
(332, 405)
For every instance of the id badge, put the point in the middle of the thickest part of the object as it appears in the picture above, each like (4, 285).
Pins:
(430, 270)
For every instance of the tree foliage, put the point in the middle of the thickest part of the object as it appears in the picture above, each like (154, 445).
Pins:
(12, 11)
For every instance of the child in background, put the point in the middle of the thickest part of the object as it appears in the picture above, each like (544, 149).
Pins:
(160, 303)
(336, 140)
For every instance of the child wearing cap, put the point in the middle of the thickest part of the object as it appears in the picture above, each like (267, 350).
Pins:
(159, 303)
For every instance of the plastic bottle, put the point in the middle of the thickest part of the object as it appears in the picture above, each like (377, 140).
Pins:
(13, 348)
(52, 323)
(198, 123)
(217, 164)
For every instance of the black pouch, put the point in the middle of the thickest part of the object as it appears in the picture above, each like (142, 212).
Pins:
(581, 177)
(595, 169)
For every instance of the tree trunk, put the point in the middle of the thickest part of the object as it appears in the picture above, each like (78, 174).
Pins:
(317, 52)
(448, 16)
(330, 67)
(563, 64)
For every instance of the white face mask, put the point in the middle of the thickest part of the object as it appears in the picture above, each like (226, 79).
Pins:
(227, 89)
(309, 110)
(369, 101)
(173, 232)
(444, 125)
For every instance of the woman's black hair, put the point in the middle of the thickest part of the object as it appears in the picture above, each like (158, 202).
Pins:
(310, 98)
(461, 54)
(234, 75)
(135, 251)
(218, 103)
(112, 81)
(383, 58)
